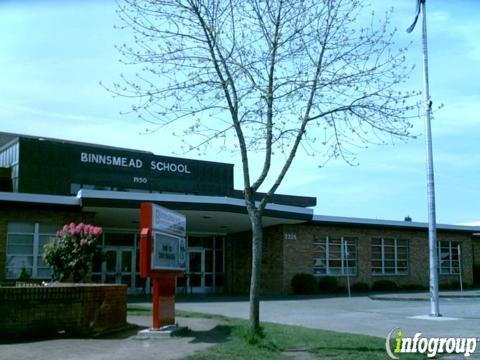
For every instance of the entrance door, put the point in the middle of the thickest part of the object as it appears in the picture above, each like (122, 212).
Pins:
(119, 266)
(196, 271)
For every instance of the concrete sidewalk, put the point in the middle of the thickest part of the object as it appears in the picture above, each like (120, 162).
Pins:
(122, 346)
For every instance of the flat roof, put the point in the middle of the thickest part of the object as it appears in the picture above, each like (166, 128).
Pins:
(186, 201)
(78, 163)
(100, 198)
(352, 221)
(40, 199)
(6, 137)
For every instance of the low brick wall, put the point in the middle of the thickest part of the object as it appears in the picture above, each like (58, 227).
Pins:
(70, 309)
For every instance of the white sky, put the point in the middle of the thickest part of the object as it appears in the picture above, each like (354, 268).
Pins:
(54, 53)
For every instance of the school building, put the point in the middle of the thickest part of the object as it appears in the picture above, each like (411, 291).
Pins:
(46, 183)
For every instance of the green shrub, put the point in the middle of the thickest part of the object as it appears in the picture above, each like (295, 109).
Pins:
(24, 275)
(384, 285)
(71, 251)
(476, 273)
(413, 287)
(303, 284)
(452, 285)
(360, 287)
(328, 285)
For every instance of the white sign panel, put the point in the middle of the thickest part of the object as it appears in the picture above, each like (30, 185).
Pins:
(168, 238)
(168, 252)
(168, 221)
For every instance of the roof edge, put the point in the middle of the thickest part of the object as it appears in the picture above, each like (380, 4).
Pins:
(40, 199)
(389, 223)
(185, 198)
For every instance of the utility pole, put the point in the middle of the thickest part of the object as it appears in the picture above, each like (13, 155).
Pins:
(432, 226)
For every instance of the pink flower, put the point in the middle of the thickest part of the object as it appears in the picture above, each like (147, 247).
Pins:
(83, 242)
(72, 228)
(96, 231)
(78, 229)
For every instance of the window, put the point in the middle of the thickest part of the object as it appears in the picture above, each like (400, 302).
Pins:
(389, 256)
(25, 243)
(448, 257)
(334, 256)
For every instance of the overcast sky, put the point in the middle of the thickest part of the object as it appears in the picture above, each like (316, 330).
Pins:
(54, 53)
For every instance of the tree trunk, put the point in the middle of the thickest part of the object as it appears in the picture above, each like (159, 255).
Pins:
(257, 237)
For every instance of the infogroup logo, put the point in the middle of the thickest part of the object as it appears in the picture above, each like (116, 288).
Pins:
(397, 343)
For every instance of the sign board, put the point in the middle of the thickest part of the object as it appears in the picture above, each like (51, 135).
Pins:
(167, 245)
(162, 258)
(168, 221)
(74, 166)
(168, 252)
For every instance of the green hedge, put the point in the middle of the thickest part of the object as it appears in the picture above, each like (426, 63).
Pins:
(304, 284)
(360, 287)
(476, 273)
(329, 285)
(384, 285)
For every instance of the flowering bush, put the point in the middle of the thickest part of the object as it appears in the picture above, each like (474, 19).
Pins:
(71, 251)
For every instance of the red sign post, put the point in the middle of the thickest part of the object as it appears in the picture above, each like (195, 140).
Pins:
(162, 258)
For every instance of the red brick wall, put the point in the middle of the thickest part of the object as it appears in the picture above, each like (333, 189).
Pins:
(300, 256)
(288, 250)
(76, 309)
(476, 249)
(238, 261)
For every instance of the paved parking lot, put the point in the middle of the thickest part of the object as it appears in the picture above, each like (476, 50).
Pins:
(360, 315)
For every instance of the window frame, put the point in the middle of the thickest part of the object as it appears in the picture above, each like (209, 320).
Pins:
(451, 259)
(383, 258)
(343, 259)
(36, 250)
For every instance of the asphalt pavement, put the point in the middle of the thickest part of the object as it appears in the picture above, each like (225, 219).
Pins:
(359, 314)
(371, 315)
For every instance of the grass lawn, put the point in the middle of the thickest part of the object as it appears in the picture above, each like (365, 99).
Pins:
(278, 339)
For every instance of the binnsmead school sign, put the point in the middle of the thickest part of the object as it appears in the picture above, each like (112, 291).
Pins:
(126, 162)
(74, 166)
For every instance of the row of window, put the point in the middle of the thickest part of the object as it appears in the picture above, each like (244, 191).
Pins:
(332, 256)
(338, 256)
(25, 242)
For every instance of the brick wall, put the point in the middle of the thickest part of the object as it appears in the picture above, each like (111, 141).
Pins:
(42, 216)
(300, 256)
(73, 309)
(476, 258)
(238, 262)
(476, 249)
(288, 250)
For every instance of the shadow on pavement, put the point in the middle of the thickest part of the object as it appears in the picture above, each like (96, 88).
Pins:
(219, 334)
(128, 331)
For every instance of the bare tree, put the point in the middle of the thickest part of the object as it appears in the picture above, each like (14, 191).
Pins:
(276, 75)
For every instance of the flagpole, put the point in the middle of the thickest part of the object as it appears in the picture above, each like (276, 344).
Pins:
(432, 226)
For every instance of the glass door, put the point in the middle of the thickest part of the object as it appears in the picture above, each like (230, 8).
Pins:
(118, 266)
(205, 265)
(125, 267)
(196, 271)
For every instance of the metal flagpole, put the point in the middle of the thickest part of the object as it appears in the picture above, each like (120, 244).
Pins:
(432, 228)
(348, 270)
(460, 267)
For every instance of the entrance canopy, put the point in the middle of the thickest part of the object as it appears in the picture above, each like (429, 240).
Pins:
(205, 214)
